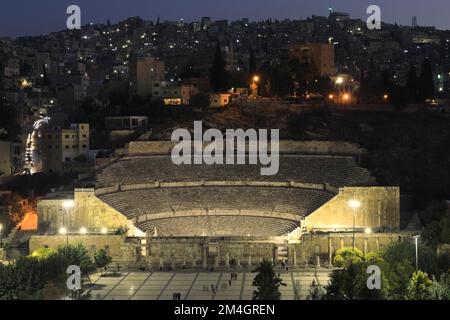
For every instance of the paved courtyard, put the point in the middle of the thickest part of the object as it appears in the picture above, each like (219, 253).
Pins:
(197, 285)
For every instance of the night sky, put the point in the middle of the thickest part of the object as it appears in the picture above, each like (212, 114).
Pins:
(32, 17)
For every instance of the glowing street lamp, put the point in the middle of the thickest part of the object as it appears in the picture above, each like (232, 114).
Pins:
(354, 204)
(83, 230)
(346, 97)
(63, 231)
(368, 231)
(339, 80)
(104, 231)
(255, 78)
(67, 204)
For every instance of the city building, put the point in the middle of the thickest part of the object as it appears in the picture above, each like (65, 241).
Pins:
(144, 71)
(62, 146)
(11, 159)
(317, 55)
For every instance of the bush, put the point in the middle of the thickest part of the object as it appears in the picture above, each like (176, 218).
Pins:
(347, 256)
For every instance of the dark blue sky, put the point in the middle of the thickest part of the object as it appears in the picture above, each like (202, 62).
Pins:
(31, 17)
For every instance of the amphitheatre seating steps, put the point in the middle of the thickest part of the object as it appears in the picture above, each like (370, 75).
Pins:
(335, 170)
(219, 226)
(134, 203)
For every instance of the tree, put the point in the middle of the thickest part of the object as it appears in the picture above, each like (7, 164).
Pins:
(347, 256)
(411, 83)
(314, 292)
(267, 282)
(419, 286)
(440, 290)
(251, 63)
(426, 84)
(102, 259)
(218, 76)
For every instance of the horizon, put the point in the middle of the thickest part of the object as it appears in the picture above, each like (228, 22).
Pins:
(45, 17)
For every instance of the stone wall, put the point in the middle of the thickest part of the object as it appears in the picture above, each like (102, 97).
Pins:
(200, 252)
(114, 245)
(88, 211)
(380, 210)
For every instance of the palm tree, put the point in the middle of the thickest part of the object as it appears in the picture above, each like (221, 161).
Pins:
(266, 282)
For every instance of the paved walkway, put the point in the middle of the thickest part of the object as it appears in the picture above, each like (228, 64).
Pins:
(197, 285)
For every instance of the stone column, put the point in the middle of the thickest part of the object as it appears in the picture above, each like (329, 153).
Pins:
(204, 258)
(149, 261)
(216, 261)
(227, 260)
(330, 252)
(161, 262)
(294, 253)
(249, 260)
(342, 242)
(317, 261)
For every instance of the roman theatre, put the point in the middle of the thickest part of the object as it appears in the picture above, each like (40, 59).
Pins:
(150, 212)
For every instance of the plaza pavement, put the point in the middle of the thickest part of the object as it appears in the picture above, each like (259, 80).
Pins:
(193, 285)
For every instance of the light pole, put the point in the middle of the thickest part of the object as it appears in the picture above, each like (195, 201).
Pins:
(354, 204)
(254, 86)
(416, 241)
(67, 204)
(63, 231)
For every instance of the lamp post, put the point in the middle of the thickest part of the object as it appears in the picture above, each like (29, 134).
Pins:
(254, 86)
(354, 204)
(416, 241)
(1, 236)
(63, 231)
(67, 205)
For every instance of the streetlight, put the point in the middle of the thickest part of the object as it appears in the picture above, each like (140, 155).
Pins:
(83, 230)
(67, 204)
(354, 204)
(368, 231)
(63, 231)
(416, 240)
(104, 231)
